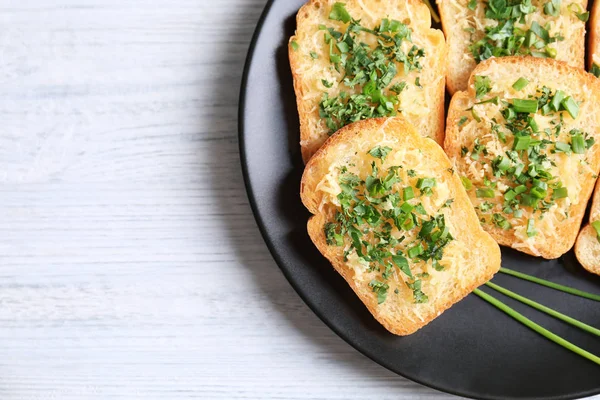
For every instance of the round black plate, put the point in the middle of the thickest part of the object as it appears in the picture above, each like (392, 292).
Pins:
(473, 349)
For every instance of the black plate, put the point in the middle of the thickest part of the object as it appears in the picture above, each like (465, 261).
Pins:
(473, 349)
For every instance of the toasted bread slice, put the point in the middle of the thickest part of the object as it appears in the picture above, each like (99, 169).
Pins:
(530, 192)
(464, 23)
(594, 38)
(422, 274)
(416, 89)
(587, 246)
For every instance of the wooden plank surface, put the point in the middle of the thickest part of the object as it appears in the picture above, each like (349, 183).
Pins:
(130, 264)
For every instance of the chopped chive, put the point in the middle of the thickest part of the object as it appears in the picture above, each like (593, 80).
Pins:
(528, 200)
(485, 193)
(408, 224)
(343, 47)
(509, 195)
(521, 189)
(546, 109)
(531, 228)
(538, 193)
(519, 169)
(540, 184)
(294, 45)
(571, 106)
(537, 328)
(526, 106)
(533, 125)
(544, 309)
(504, 164)
(578, 144)
(560, 193)
(406, 207)
(521, 142)
(423, 183)
(466, 182)
(549, 284)
(408, 193)
(557, 99)
(476, 116)
(551, 52)
(520, 84)
(562, 146)
(509, 114)
(415, 251)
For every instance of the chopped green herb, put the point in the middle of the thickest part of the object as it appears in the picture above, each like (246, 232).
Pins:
(339, 13)
(472, 5)
(521, 142)
(485, 193)
(578, 144)
(314, 55)
(571, 106)
(294, 45)
(380, 288)
(466, 182)
(380, 152)
(520, 83)
(552, 8)
(562, 147)
(483, 85)
(525, 106)
(595, 70)
(415, 251)
(500, 221)
(331, 236)
(560, 193)
(425, 185)
(462, 121)
(418, 294)
(402, 263)
(579, 12)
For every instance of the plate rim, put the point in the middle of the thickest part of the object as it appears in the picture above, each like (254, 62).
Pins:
(281, 265)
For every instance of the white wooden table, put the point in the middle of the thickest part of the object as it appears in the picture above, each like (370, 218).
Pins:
(130, 264)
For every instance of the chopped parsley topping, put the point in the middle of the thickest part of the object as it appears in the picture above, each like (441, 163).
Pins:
(366, 89)
(382, 221)
(508, 35)
(526, 168)
(483, 85)
(380, 152)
